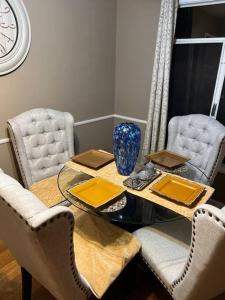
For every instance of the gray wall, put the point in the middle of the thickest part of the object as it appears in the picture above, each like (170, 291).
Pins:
(71, 61)
(70, 67)
(89, 57)
(137, 23)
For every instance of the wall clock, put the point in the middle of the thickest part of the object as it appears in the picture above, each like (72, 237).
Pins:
(15, 34)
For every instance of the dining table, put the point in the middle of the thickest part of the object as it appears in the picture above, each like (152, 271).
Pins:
(132, 207)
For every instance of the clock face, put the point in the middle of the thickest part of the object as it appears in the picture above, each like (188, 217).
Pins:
(8, 28)
(15, 35)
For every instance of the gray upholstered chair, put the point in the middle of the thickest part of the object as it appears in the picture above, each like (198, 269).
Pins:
(70, 261)
(43, 140)
(190, 263)
(200, 138)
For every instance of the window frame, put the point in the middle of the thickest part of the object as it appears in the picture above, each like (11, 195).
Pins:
(190, 3)
(221, 70)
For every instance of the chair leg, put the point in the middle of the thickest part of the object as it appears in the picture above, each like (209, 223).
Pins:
(26, 284)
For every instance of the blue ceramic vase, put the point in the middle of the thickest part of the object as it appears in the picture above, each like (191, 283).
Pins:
(126, 146)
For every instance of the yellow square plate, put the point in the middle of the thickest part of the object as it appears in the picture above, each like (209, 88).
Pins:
(96, 191)
(178, 189)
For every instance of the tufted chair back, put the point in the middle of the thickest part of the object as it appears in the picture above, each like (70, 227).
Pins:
(201, 138)
(43, 140)
(203, 276)
(41, 239)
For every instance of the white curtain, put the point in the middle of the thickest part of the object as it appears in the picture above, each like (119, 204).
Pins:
(155, 132)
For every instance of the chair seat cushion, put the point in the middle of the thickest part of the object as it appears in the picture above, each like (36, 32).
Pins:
(102, 250)
(165, 247)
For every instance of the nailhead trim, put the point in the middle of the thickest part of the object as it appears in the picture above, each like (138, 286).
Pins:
(150, 267)
(17, 153)
(72, 265)
(86, 291)
(188, 264)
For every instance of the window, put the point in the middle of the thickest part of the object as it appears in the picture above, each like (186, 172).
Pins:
(197, 72)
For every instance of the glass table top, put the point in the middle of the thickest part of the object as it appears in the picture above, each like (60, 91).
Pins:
(128, 208)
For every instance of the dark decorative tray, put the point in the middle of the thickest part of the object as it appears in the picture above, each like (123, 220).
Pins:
(143, 183)
(167, 159)
(94, 159)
